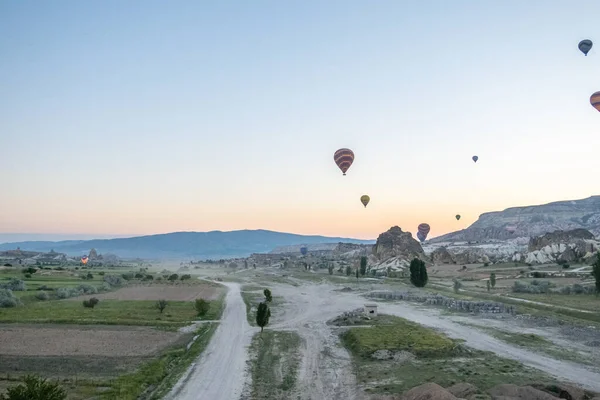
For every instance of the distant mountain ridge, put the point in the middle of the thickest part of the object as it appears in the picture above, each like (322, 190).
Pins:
(202, 245)
(531, 221)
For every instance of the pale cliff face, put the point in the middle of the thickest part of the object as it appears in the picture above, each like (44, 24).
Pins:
(532, 221)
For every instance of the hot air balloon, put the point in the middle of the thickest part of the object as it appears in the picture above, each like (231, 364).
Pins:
(365, 200)
(343, 158)
(585, 46)
(424, 229)
(475, 158)
(84, 259)
(421, 237)
(457, 217)
(303, 250)
(595, 100)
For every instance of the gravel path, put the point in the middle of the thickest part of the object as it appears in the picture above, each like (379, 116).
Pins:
(219, 373)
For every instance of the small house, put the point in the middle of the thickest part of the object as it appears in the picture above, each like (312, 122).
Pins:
(371, 310)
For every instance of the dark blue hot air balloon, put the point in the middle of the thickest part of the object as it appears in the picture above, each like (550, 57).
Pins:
(303, 250)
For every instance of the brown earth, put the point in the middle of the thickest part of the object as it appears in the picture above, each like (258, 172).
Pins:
(73, 340)
(158, 292)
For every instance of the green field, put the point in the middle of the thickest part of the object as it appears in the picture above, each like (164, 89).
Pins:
(426, 356)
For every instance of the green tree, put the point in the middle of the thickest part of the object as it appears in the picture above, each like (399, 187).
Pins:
(489, 285)
(596, 272)
(172, 277)
(348, 270)
(268, 295)
(262, 315)
(356, 274)
(161, 305)
(246, 264)
(35, 388)
(202, 307)
(363, 265)
(330, 269)
(457, 285)
(493, 279)
(418, 273)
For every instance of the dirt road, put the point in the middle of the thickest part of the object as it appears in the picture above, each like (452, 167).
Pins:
(325, 365)
(219, 375)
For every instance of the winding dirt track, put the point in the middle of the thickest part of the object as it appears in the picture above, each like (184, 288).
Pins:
(219, 374)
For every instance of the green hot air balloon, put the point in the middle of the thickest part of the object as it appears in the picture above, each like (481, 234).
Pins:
(457, 217)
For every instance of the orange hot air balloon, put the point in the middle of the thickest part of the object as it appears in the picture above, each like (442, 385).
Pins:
(343, 158)
(84, 259)
(595, 100)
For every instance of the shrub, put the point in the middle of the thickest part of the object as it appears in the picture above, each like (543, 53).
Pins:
(330, 269)
(348, 270)
(418, 273)
(535, 287)
(538, 274)
(91, 303)
(263, 313)
(487, 264)
(149, 277)
(35, 388)
(87, 289)
(185, 277)
(105, 287)
(67, 292)
(60, 268)
(42, 296)
(268, 295)
(127, 276)
(29, 270)
(139, 275)
(27, 275)
(14, 284)
(173, 277)
(457, 285)
(8, 299)
(161, 305)
(101, 273)
(114, 280)
(89, 276)
(202, 307)
(493, 279)
(44, 287)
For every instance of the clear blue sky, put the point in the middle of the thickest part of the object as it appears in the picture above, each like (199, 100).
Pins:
(121, 117)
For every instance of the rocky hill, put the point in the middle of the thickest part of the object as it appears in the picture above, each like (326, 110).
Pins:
(531, 221)
(395, 249)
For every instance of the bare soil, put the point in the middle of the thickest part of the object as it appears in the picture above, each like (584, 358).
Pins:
(180, 292)
(73, 340)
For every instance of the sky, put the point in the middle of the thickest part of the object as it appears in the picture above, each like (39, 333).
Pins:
(145, 116)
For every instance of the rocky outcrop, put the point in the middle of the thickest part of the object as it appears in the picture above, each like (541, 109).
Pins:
(471, 256)
(514, 392)
(395, 243)
(531, 221)
(558, 237)
(428, 391)
(559, 246)
(441, 255)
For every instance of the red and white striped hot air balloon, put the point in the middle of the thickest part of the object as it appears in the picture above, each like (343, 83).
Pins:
(343, 158)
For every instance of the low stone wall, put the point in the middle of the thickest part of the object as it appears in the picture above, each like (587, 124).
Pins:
(443, 301)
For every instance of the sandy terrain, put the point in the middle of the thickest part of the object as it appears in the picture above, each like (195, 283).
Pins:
(157, 292)
(69, 340)
(220, 372)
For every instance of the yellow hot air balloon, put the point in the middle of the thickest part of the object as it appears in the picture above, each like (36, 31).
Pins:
(365, 199)
(595, 100)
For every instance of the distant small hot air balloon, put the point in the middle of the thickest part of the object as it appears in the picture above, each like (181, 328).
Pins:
(421, 237)
(595, 100)
(475, 158)
(365, 200)
(424, 229)
(303, 250)
(585, 46)
(457, 217)
(343, 158)
(84, 259)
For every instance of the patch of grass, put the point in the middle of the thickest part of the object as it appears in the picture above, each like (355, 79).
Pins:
(398, 334)
(535, 343)
(587, 302)
(439, 359)
(111, 312)
(275, 359)
(252, 300)
(155, 378)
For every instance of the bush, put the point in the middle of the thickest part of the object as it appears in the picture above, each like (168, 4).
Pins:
(105, 287)
(44, 287)
(202, 307)
(149, 277)
(487, 264)
(89, 276)
(185, 277)
(35, 388)
(87, 289)
(67, 292)
(535, 287)
(101, 273)
(27, 275)
(14, 284)
(348, 270)
(457, 285)
(114, 280)
(127, 276)
(173, 277)
(268, 295)
(42, 296)
(91, 303)
(29, 270)
(538, 274)
(8, 299)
